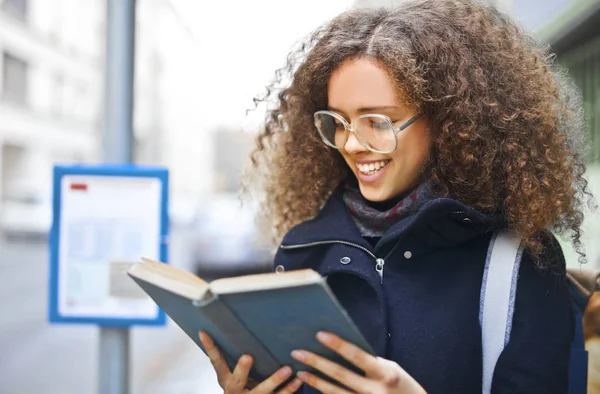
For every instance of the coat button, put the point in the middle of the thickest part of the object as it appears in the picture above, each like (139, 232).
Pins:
(345, 260)
(280, 269)
(407, 254)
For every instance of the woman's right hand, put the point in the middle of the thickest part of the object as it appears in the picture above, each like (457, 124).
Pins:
(237, 382)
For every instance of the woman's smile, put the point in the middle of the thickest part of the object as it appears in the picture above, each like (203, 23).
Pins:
(370, 171)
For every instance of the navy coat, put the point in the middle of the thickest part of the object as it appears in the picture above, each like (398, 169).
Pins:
(423, 312)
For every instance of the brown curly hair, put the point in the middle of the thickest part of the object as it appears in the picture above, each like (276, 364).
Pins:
(507, 123)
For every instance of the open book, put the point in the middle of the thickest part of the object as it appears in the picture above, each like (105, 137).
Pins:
(264, 315)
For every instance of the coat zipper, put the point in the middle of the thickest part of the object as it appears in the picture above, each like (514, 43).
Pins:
(379, 262)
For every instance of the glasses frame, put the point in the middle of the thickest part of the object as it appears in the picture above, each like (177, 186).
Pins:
(351, 128)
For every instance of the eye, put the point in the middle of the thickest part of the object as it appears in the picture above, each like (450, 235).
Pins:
(377, 123)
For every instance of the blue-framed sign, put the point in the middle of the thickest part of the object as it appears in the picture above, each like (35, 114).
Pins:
(105, 218)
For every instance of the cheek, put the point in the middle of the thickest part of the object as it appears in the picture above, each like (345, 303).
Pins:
(423, 149)
(414, 150)
(339, 138)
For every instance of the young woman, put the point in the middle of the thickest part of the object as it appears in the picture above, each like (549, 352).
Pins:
(405, 139)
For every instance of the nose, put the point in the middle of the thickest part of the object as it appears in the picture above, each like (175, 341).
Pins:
(353, 145)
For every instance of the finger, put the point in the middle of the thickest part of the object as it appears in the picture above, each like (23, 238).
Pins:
(335, 371)
(395, 378)
(239, 378)
(352, 353)
(291, 387)
(391, 373)
(269, 385)
(216, 358)
(321, 385)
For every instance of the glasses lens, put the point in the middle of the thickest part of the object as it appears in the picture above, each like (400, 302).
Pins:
(332, 129)
(377, 133)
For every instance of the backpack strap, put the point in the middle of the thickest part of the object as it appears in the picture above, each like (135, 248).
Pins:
(498, 291)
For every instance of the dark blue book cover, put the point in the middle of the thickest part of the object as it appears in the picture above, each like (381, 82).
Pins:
(286, 319)
(267, 316)
(189, 318)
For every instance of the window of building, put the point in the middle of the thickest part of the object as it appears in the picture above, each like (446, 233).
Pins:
(17, 8)
(14, 79)
(58, 94)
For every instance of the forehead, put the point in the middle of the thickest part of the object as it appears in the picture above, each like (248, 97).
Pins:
(361, 83)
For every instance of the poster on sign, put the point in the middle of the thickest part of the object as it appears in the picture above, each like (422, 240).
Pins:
(104, 220)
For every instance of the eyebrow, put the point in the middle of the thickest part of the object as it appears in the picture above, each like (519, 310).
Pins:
(369, 109)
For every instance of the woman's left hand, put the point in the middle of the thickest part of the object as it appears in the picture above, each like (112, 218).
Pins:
(381, 375)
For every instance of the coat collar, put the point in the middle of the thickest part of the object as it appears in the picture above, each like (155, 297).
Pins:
(439, 222)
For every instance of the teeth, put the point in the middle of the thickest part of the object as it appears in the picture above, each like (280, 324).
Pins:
(371, 167)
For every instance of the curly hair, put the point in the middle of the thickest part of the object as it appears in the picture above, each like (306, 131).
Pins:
(507, 122)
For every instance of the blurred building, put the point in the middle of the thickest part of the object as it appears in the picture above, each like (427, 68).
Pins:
(50, 92)
(171, 127)
(574, 35)
(51, 101)
(572, 32)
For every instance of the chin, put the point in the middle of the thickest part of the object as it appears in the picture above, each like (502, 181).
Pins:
(374, 194)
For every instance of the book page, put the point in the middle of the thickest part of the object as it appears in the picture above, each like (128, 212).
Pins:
(257, 282)
(170, 278)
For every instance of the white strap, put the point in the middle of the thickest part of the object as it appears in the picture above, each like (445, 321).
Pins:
(498, 290)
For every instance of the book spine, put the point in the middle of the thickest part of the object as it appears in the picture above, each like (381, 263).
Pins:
(265, 364)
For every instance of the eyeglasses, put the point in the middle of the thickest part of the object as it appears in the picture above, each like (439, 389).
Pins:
(375, 132)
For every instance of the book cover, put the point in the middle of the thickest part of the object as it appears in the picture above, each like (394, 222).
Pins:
(265, 315)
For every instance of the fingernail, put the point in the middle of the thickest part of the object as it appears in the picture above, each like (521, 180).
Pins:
(324, 337)
(285, 372)
(206, 340)
(299, 355)
(296, 383)
(246, 359)
(303, 376)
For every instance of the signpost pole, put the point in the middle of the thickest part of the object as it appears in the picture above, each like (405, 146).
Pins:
(113, 377)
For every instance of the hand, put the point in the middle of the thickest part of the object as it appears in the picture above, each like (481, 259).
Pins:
(237, 381)
(381, 375)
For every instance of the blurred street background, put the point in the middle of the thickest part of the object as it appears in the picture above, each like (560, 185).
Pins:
(197, 67)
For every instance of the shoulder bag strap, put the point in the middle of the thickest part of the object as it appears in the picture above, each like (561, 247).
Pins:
(498, 291)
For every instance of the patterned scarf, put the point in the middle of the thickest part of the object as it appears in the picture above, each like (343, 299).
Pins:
(372, 222)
